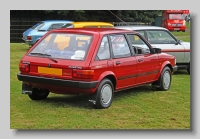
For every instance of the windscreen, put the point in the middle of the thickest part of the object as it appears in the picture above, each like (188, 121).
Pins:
(176, 16)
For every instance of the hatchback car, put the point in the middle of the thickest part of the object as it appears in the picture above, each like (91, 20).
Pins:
(95, 61)
(33, 34)
(88, 25)
(160, 37)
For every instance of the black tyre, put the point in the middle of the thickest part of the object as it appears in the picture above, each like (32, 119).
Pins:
(38, 94)
(104, 94)
(188, 69)
(165, 79)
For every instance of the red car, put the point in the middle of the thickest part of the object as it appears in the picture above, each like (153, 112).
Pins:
(96, 61)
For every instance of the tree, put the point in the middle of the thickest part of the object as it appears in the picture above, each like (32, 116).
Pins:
(145, 16)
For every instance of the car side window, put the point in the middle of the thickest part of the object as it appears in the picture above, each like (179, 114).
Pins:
(120, 46)
(141, 33)
(104, 50)
(160, 37)
(55, 26)
(139, 46)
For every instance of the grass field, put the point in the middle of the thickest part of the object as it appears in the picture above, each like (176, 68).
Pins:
(138, 108)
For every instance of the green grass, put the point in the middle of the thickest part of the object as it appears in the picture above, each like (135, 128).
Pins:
(138, 108)
(184, 36)
(180, 33)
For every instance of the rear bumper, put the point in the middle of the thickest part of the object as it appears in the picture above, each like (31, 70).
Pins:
(29, 42)
(58, 82)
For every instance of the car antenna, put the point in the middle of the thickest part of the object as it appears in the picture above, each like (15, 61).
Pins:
(120, 19)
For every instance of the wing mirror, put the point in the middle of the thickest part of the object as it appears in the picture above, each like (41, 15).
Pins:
(157, 50)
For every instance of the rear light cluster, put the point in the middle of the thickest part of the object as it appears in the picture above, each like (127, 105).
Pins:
(86, 74)
(29, 38)
(24, 67)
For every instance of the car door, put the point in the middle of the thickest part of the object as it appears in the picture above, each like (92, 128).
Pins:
(125, 65)
(147, 63)
(163, 39)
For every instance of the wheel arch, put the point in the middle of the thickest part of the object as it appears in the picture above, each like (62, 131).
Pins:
(166, 63)
(109, 75)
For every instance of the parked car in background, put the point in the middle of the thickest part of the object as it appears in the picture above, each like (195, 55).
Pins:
(88, 25)
(95, 61)
(160, 37)
(33, 34)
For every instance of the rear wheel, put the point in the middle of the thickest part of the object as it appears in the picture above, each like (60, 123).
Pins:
(104, 94)
(38, 94)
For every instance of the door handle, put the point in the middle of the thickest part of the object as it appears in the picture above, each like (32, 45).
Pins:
(140, 60)
(118, 62)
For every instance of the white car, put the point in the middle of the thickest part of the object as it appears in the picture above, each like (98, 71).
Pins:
(162, 38)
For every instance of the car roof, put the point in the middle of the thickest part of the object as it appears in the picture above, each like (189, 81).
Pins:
(93, 30)
(139, 27)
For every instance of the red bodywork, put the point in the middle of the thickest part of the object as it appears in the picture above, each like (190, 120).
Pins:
(134, 70)
(174, 20)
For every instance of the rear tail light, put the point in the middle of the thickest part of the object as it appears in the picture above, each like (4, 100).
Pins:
(86, 74)
(24, 67)
(29, 38)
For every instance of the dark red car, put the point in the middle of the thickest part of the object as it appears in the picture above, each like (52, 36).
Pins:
(96, 61)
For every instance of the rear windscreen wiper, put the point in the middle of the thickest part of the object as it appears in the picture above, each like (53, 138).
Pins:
(45, 55)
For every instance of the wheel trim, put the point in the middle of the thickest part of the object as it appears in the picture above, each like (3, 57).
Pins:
(166, 79)
(106, 94)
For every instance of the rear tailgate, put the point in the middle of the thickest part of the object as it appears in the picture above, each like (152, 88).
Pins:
(45, 67)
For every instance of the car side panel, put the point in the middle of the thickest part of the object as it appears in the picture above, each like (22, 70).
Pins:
(126, 71)
(148, 68)
(176, 50)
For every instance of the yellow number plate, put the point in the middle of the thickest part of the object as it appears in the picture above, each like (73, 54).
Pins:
(54, 71)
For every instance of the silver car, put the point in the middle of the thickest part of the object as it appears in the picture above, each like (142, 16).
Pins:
(162, 38)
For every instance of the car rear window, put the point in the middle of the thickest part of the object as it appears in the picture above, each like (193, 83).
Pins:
(39, 26)
(34, 26)
(65, 46)
(68, 26)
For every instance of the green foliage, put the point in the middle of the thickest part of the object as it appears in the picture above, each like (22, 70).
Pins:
(146, 16)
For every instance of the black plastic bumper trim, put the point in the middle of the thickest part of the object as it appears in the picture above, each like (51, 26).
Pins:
(59, 82)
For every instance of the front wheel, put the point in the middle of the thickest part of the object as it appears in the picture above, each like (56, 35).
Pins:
(38, 94)
(165, 79)
(104, 94)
